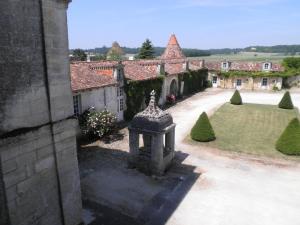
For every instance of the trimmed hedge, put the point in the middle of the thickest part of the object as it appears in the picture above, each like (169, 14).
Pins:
(289, 141)
(202, 130)
(139, 91)
(286, 101)
(236, 98)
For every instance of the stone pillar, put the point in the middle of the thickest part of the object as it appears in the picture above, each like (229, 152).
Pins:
(170, 140)
(157, 154)
(39, 179)
(133, 146)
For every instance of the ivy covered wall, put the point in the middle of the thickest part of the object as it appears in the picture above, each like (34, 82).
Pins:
(194, 81)
(138, 94)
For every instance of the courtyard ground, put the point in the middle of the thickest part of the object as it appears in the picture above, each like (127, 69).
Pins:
(205, 185)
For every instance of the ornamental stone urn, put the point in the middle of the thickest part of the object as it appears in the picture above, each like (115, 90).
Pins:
(158, 134)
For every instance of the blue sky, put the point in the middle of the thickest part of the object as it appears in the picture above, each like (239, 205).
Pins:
(199, 24)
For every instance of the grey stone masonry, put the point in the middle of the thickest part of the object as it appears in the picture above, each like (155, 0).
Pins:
(155, 126)
(39, 177)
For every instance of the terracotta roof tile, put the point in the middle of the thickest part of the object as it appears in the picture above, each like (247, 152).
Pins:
(173, 49)
(141, 69)
(84, 78)
(243, 66)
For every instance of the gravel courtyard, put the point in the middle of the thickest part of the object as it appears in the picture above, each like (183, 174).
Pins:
(234, 188)
(216, 188)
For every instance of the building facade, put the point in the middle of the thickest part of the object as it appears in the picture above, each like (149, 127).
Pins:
(217, 75)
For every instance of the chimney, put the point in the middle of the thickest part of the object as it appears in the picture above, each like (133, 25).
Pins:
(202, 63)
(160, 69)
(88, 58)
(186, 65)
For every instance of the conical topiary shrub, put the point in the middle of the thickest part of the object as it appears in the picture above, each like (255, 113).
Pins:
(286, 101)
(289, 141)
(236, 98)
(202, 130)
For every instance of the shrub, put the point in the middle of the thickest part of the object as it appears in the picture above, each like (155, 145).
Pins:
(96, 124)
(286, 101)
(171, 99)
(275, 88)
(289, 141)
(202, 130)
(236, 99)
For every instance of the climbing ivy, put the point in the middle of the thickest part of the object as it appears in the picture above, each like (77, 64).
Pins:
(138, 94)
(283, 74)
(194, 81)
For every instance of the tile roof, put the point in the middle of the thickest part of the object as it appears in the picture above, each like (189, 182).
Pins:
(84, 78)
(173, 49)
(141, 69)
(243, 66)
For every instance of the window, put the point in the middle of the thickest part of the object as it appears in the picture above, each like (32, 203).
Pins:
(238, 82)
(264, 82)
(224, 65)
(121, 105)
(215, 79)
(77, 105)
(120, 91)
(119, 75)
(267, 66)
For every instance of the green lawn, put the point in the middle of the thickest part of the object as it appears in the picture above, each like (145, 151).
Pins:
(250, 128)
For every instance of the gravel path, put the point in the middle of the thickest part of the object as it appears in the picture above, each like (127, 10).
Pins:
(234, 190)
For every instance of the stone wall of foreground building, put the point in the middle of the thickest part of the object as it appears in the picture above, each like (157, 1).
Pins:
(39, 177)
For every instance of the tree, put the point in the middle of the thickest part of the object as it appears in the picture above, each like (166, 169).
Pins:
(202, 130)
(286, 101)
(79, 54)
(289, 141)
(116, 52)
(236, 99)
(146, 51)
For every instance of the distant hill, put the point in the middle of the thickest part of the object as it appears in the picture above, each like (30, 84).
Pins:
(193, 52)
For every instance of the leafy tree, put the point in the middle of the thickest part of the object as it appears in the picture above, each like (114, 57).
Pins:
(236, 99)
(286, 101)
(291, 63)
(202, 130)
(116, 52)
(147, 50)
(79, 54)
(289, 141)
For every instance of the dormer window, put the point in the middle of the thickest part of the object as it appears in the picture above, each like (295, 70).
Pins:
(119, 75)
(225, 65)
(267, 66)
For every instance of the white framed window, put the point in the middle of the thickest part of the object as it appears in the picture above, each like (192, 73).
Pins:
(264, 82)
(121, 105)
(120, 91)
(119, 75)
(77, 105)
(266, 66)
(224, 65)
(238, 82)
(215, 79)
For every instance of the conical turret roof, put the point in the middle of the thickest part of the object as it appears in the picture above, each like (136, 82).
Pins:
(173, 49)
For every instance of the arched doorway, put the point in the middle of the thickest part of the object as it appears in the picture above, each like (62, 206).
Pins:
(173, 88)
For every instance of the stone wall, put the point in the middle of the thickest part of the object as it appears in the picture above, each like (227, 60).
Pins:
(39, 177)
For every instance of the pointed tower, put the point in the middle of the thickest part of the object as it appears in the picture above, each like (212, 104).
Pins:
(173, 50)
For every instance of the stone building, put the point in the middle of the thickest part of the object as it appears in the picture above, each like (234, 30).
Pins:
(39, 178)
(267, 82)
(99, 85)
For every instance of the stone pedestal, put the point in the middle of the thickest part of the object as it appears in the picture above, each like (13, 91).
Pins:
(158, 132)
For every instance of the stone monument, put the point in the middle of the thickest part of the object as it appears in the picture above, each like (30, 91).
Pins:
(158, 132)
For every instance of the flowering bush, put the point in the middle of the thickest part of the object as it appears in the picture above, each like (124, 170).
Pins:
(171, 99)
(97, 124)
